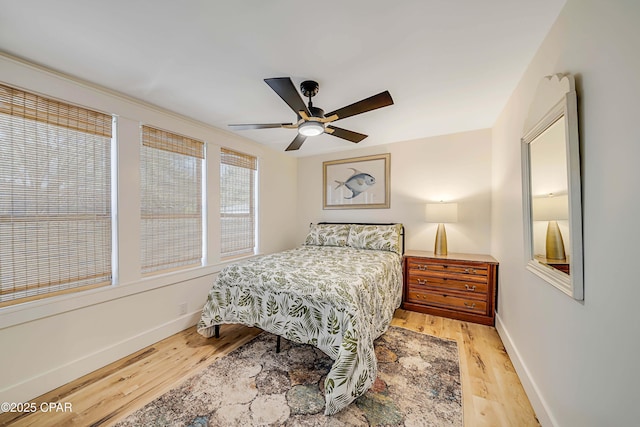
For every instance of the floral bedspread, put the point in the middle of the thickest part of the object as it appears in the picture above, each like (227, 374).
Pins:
(339, 299)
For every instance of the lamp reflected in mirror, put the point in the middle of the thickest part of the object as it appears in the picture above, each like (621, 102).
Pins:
(552, 208)
(441, 213)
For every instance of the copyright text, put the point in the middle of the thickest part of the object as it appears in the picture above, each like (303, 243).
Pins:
(36, 407)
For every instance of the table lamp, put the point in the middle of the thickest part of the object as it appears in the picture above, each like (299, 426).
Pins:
(441, 213)
(552, 208)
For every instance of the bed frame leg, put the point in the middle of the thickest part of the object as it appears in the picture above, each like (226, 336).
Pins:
(217, 330)
(278, 344)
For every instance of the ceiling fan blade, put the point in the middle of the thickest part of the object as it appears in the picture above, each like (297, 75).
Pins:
(374, 102)
(261, 126)
(296, 143)
(349, 135)
(285, 89)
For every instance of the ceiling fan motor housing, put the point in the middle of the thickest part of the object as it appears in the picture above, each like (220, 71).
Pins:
(309, 88)
(316, 112)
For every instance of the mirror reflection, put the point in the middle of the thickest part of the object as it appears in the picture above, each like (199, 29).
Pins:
(549, 198)
(552, 206)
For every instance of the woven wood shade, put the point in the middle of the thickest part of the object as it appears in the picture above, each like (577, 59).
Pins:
(171, 142)
(237, 203)
(234, 158)
(55, 197)
(171, 201)
(17, 103)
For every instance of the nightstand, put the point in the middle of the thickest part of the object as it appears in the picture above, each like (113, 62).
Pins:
(459, 286)
(561, 264)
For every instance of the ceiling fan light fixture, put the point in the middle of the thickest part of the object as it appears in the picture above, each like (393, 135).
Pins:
(311, 128)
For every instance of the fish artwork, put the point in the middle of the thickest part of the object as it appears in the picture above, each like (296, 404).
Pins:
(357, 183)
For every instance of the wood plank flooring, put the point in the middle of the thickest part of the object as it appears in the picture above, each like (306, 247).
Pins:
(491, 391)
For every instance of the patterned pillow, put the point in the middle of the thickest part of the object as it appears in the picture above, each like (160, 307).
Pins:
(328, 235)
(377, 237)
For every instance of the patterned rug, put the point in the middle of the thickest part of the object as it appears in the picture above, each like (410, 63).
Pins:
(418, 384)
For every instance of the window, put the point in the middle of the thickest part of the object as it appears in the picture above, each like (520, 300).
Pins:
(237, 203)
(171, 200)
(55, 197)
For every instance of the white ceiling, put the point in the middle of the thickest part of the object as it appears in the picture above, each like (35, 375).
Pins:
(450, 65)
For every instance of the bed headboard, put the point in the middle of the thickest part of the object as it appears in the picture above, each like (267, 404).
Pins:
(371, 223)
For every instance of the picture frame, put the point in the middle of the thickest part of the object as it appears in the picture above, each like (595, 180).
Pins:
(357, 183)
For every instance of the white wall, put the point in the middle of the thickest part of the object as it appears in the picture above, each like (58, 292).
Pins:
(450, 167)
(47, 343)
(579, 360)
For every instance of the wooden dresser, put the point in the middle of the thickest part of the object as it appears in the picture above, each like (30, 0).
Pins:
(459, 286)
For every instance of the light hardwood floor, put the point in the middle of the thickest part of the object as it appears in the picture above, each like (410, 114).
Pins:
(491, 391)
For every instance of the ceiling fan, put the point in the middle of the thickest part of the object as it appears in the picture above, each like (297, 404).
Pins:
(313, 121)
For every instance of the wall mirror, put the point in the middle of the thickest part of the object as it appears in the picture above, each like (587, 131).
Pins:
(552, 202)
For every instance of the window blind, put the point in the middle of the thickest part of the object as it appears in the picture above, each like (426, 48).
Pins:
(55, 197)
(171, 200)
(237, 203)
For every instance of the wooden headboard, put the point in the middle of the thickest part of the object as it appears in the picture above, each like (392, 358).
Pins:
(372, 223)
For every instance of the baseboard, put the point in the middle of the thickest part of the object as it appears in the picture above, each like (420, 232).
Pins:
(533, 393)
(38, 385)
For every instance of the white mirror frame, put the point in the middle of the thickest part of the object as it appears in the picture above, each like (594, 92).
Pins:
(555, 98)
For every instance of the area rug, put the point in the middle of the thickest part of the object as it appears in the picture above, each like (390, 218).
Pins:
(418, 384)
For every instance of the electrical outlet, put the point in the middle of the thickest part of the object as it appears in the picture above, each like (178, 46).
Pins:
(182, 308)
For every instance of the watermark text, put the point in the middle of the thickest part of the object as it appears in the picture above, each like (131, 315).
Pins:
(36, 407)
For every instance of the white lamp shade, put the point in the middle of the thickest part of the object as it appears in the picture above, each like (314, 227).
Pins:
(441, 212)
(550, 208)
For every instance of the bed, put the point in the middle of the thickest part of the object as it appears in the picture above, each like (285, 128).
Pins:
(337, 292)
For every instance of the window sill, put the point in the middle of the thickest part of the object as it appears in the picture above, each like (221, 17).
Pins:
(38, 309)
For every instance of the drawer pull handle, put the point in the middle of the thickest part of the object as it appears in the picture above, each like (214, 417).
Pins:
(422, 267)
(470, 289)
(422, 281)
(473, 305)
(470, 270)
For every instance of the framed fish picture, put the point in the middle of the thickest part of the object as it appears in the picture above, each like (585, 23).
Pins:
(357, 183)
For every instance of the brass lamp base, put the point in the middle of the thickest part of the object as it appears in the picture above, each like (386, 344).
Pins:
(441, 241)
(554, 244)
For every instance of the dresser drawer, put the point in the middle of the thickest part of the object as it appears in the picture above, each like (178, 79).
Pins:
(476, 288)
(419, 266)
(448, 301)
